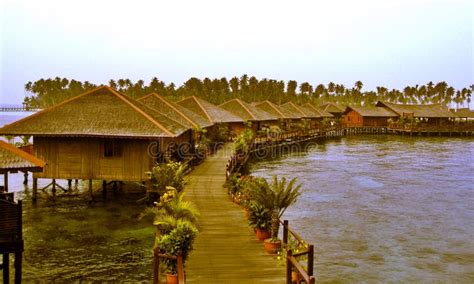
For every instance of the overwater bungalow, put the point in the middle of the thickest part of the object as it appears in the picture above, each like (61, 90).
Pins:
(13, 160)
(368, 116)
(305, 113)
(334, 109)
(214, 114)
(100, 135)
(430, 114)
(284, 117)
(261, 120)
(464, 114)
(176, 112)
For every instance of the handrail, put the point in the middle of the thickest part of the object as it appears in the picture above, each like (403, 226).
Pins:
(156, 265)
(292, 262)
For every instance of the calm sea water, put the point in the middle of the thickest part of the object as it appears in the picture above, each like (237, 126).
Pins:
(385, 208)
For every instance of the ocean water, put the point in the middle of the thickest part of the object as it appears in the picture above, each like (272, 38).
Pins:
(385, 208)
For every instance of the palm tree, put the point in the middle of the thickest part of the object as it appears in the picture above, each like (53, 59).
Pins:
(276, 197)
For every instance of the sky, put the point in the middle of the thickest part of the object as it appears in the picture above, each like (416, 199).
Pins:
(380, 42)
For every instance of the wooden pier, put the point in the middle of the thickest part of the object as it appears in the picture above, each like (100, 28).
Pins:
(226, 250)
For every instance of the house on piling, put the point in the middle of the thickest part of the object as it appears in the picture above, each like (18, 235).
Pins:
(305, 113)
(430, 114)
(464, 114)
(99, 135)
(176, 112)
(213, 114)
(261, 120)
(334, 109)
(284, 117)
(368, 116)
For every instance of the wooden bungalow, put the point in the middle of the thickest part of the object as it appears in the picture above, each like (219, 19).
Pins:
(13, 160)
(464, 114)
(334, 109)
(261, 120)
(367, 116)
(432, 114)
(305, 112)
(176, 112)
(99, 135)
(284, 117)
(214, 114)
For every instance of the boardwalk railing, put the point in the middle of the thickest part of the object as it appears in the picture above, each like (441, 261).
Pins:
(156, 266)
(292, 263)
(18, 108)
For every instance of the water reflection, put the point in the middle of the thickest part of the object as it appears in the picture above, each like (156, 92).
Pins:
(386, 208)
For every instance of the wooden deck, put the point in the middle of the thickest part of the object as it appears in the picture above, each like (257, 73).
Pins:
(226, 250)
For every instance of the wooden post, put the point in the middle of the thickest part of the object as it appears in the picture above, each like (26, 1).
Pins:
(104, 190)
(5, 181)
(90, 189)
(69, 185)
(18, 260)
(285, 232)
(25, 178)
(6, 268)
(35, 188)
(156, 267)
(53, 183)
(289, 254)
(310, 260)
(180, 269)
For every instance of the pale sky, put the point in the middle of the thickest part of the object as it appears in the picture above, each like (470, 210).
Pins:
(390, 43)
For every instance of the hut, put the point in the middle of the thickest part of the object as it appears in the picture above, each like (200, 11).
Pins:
(176, 112)
(465, 114)
(13, 160)
(432, 114)
(305, 113)
(283, 117)
(99, 135)
(334, 109)
(367, 116)
(261, 120)
(221, 118)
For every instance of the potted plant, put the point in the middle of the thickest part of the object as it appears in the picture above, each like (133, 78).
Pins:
(260, 219)
(179, 241)
(275, 197)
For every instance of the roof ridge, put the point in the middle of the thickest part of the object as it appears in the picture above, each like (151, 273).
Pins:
(140, 111)
(297, 108)
(272, 105)
(173, 107)
(248, 111)
(203, 109)
(22, 154)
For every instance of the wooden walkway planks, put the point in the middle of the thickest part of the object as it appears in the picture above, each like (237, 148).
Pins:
(226, 250)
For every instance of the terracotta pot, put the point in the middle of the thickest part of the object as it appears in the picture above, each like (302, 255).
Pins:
(272, 247)
(262, 234)
(171, 278)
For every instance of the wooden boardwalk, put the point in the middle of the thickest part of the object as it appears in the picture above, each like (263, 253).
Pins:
(226, 250)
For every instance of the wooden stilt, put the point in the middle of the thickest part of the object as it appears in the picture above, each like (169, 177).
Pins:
(18, 260)
(25, 178)
(90, 189)
(104, 190)
(53, 183)
(69, 185)
(35, 189)
(6, 268)
(5, 181)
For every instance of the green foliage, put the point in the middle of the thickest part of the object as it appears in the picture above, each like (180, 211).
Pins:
(260, 217)
(276, 197)
(178, 241)
(167, 174)
(243, 141)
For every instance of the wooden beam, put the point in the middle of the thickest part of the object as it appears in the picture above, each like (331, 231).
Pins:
(6, 268)
(35, 189)
(5, 181)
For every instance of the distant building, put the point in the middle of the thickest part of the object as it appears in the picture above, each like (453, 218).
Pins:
(464, 114)
(368, 116)
(432, 114)
(333, 109)
(259, 118)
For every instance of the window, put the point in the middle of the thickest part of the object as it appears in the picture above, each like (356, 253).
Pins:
(112, 148)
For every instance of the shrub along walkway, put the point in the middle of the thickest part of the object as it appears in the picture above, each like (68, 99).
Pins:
(226, 250)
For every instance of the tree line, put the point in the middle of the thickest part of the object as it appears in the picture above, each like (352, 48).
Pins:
(46, 92)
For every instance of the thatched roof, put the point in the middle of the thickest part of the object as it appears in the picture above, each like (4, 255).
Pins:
(12, 158)
(294, 109)
(371, 111)
(332, 108)
(427, 111)
(322, 113)
(271, 108)
(101, 112)
(210, 112)
(174, 111)
(464, 113)
(247, 111)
